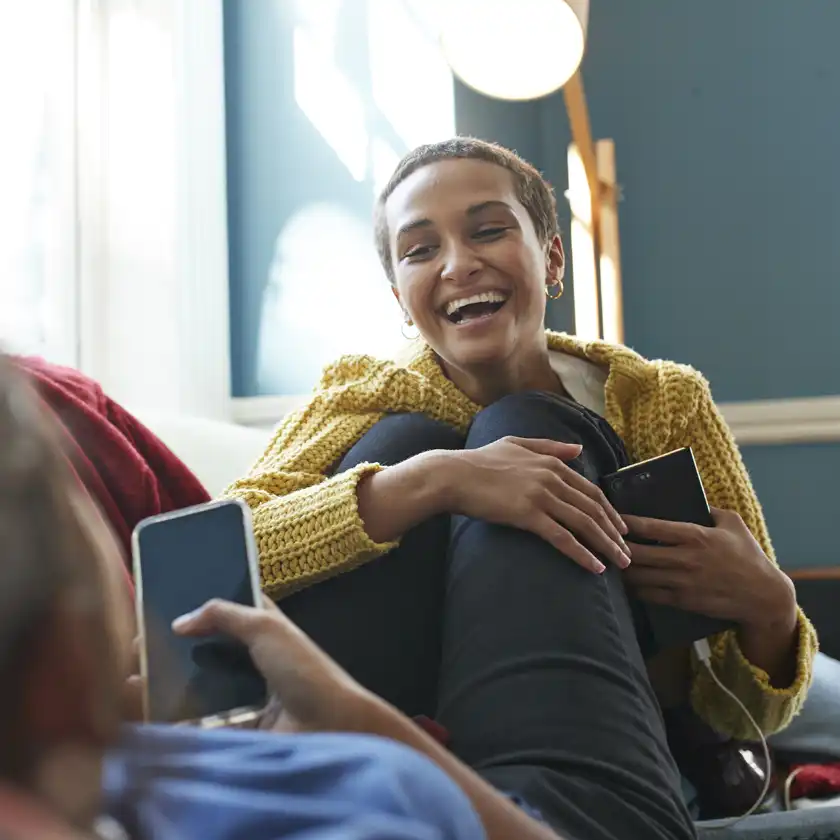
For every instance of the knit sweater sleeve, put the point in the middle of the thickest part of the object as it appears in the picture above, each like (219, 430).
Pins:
(306, 520)
(728, 486)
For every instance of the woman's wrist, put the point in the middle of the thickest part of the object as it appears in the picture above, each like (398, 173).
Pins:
(768, 633)
(773, 607)
(446, 467)
(396, 499)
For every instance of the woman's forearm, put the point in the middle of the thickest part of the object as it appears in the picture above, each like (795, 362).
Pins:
(501, 819)
(398, 498)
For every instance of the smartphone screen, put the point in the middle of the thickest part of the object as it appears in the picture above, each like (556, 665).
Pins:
(182, 560)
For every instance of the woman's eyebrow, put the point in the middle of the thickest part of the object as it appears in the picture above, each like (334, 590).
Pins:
(410, 226)
(494, 204)
(472, 210)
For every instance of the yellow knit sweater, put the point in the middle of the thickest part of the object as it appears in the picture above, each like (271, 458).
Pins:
(308, 526)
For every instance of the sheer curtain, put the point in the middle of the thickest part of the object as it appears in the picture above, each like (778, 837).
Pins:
(153, 320)
(113, 228)
(38, 214)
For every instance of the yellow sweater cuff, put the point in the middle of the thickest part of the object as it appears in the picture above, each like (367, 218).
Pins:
(314, 533)
(772, 708)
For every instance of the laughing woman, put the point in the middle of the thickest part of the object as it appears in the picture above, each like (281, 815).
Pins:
(438, 529)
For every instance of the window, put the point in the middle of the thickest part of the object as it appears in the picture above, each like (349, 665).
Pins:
(321, 108)
(38, 175)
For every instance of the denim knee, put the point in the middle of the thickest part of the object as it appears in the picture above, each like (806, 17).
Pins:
(398, 437)
(539, 414)
(528, 414)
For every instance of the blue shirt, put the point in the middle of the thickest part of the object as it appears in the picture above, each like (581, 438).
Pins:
(168, 783)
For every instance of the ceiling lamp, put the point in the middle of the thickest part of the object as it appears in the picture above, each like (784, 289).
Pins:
(514, 49)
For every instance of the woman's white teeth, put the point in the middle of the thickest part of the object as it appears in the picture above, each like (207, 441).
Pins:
(483, 297)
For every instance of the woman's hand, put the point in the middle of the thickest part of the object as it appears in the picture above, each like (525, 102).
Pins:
(521, 482)
(311, 693)
(721, 572)
(525, 483)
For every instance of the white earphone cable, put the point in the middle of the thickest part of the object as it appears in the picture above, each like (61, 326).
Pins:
(704, 654)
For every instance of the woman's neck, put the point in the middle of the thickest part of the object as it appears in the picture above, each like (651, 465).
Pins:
(486, 385)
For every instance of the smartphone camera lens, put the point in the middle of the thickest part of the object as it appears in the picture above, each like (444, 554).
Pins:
(617, 484)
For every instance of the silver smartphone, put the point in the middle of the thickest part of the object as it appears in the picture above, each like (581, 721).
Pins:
(182, 560)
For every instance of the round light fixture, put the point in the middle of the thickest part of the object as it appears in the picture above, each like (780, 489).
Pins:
(514, 49)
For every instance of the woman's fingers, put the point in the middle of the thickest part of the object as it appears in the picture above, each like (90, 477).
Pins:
(597, 533)
(217, 616)
(643, 577)
(594, 511)
(662, 556)
(593, 492)
(554, 448)
(665, 531)
(564, 541)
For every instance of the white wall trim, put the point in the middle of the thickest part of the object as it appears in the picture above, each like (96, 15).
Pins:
(794, 420)
(756, 422)
(264, 412)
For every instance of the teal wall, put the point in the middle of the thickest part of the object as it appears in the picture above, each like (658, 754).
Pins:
(277, 163)
(799, 488)
(726, 118)
(305, 283)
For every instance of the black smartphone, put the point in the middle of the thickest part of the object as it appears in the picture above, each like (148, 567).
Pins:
(667, 487)
(182, 560)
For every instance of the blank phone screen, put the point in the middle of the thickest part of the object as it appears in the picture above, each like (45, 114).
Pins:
(184, 562)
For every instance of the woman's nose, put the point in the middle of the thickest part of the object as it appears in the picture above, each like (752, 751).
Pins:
(460, 264)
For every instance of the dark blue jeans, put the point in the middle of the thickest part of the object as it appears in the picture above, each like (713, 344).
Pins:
(531, 663)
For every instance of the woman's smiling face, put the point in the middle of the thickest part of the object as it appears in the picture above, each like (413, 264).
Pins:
(469, 269)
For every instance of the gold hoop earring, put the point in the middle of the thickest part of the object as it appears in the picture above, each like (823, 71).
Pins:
(408, 323)
(557, 285)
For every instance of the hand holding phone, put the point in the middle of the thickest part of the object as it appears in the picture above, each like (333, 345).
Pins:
(310, 692)
(181, 561)
(666, 488)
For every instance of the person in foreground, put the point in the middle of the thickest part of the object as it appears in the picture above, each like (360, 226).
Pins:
(437, 528)
(69, 770)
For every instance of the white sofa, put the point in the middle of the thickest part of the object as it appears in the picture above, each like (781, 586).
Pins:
(218, 453)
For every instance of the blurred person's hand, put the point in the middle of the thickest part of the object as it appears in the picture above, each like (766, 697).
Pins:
(310, 691)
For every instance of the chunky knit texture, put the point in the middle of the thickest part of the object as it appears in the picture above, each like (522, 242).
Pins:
(308, 526)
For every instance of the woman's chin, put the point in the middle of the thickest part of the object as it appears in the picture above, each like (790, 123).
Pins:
(486, 352)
